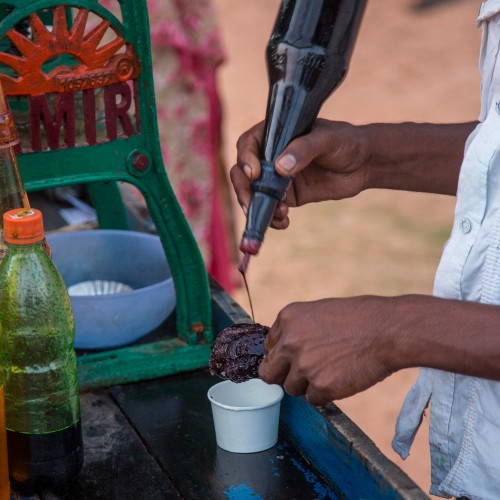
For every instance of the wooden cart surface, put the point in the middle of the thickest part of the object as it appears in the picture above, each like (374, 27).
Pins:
(155, 440)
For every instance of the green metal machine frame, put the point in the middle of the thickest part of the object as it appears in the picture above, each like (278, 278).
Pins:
(137, 160)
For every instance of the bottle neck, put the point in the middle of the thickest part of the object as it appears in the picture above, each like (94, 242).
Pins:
(43, 244)
(12, 192)
(25, 247)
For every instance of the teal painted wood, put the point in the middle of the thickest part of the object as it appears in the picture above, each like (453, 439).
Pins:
(143, 362)
(113, 162)
(343, 454)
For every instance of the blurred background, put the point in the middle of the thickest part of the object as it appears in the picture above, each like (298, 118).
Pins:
(414, 61)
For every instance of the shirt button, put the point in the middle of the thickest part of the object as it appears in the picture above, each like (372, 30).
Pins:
(465, 225)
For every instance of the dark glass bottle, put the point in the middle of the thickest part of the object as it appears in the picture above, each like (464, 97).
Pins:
(4, 469)
(307, 57)
(42, 404)
(12, 192)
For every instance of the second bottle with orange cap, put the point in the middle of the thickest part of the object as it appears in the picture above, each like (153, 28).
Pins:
(39, 362)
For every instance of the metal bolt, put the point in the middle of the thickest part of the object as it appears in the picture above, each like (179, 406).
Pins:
(141, 162)
(198, 327)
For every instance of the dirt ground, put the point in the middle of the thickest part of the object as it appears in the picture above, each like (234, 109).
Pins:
(416, 65)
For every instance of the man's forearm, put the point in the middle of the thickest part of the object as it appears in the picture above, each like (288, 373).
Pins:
(416, 156)
(452, 335)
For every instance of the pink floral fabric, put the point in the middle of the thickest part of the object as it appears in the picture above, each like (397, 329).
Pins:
(187, 51)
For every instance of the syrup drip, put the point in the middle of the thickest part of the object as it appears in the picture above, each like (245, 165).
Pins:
(243, 270)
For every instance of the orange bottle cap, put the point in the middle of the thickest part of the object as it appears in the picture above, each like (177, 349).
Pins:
(23, 226)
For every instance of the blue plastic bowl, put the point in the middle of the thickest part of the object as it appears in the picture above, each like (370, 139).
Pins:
(133, 258)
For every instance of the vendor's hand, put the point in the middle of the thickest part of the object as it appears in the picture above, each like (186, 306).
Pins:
(326, 164)
(331, 348)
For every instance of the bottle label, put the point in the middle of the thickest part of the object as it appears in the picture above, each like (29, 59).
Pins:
(313, 60)
(8, 131)
(26, 410)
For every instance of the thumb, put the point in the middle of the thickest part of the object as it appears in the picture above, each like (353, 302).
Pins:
(300, 153)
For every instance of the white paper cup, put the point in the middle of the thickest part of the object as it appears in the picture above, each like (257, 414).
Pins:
(246, 415)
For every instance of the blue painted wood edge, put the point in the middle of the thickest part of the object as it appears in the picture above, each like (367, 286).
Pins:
(345, 457)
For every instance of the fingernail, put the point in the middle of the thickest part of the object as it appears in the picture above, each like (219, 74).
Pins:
(287, 163)
(245, 209)
(248, 171)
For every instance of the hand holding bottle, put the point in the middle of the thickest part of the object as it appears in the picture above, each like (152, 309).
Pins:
(329, 163)
(337, 160)
(307, 58)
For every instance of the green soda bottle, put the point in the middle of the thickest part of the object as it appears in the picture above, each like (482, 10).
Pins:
(44, 437)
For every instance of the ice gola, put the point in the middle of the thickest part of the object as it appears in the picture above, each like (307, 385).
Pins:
(238, 351)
